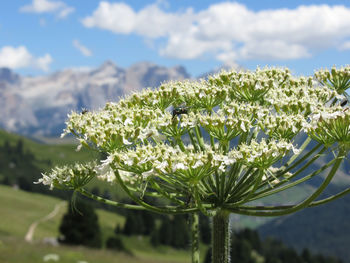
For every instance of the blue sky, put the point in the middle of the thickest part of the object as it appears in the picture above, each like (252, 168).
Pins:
(43, 36)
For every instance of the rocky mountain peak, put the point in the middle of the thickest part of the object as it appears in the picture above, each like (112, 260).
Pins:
(47, 100)
(7, 75)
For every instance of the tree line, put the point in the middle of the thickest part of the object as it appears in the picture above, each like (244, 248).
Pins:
(80, 226)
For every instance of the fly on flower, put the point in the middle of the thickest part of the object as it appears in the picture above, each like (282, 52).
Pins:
(177, 111)
(84, 110)
(344, 102)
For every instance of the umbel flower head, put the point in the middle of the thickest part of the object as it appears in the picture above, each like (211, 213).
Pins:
(214, 144)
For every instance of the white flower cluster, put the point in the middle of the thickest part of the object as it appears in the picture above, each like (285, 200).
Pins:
(339, 79)
(262, 154)
(115, 126)
(299, 98)
(248, 117)
(282, 126)
(71, 177)
(330, 125)
(165, 160)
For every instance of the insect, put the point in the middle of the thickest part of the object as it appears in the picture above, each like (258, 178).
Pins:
(343, 102)
(179, 110)
(84, 110)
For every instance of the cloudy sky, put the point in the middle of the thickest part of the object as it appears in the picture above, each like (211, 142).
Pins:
(43, 36)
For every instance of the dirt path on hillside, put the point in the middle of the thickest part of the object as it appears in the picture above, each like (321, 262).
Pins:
(29, 236)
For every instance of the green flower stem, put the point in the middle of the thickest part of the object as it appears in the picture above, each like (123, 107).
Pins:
(296, 173)
(313, 204)
(303, 159)
(252, 191)
(212, 142)
(165, 209)
(193, 141)
(222, 186)
(270, 191)
(221, 237)
(306, 202)
(244, 184)
(198, 202)
(109, 202)
(199, 137)
(180, 143)
(302, 148)
(233, 175)
(331, 198)
(252, 136)
(195, 237)
(165, 194)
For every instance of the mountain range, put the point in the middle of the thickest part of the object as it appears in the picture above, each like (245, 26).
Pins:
(39, 105)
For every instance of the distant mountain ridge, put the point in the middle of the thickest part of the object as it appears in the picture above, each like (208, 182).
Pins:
(39, 105)
(324, 229)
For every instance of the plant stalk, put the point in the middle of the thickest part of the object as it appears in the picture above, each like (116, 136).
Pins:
(195, 237)
(221, 238)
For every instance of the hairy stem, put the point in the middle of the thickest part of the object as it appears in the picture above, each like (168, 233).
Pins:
(195, 237)
(221, 238)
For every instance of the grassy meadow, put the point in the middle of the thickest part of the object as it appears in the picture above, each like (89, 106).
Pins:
(19, 209)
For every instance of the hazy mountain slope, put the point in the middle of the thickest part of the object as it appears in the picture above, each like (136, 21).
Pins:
(323, 229)
(39, 105)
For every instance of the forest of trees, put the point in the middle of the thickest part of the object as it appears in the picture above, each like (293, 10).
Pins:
(247, 247)
(79, 226)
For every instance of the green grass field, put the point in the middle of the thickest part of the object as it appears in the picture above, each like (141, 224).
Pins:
(19, 209)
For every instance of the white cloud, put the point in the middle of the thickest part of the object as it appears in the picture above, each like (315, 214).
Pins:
(230, 30)
(20, 57)
(150, 22)
(61, 9)
(83, 50)
(345, 45)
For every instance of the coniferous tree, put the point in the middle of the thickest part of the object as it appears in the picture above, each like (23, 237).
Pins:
(80, 226)
(207, 258)
(115, 243)
(155, 239)
(118, 230)
(241, 251)
(205, 229)
(133, 224)
(180, 237)
(165, 232)
(148, 220)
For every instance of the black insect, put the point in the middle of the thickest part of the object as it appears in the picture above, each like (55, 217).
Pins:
(179, 110)
(84, 110)
(343, 102)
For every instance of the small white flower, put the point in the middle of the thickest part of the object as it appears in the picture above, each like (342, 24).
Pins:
(126, 142)
(243, 126)
(147, 173)
(128, 121)
(79, 147)
(197, 164)
(161, 166)
(179, 166)
(202, 94)
(51, 257)
(129, 161)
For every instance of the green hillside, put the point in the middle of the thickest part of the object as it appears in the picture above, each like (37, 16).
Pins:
(58, 153)
(324, 229)
(19, 209)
